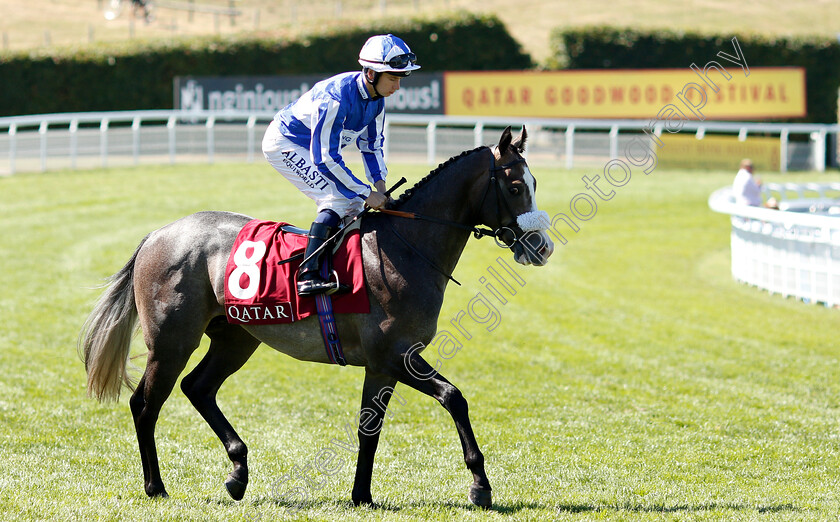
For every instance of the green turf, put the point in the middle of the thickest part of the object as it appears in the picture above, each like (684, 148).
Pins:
(629, 379)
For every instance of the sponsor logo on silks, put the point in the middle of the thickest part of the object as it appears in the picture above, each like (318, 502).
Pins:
(308, 173)
(259, 313)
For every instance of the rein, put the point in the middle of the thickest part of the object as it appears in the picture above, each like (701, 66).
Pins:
(478, 232)
(420, 254)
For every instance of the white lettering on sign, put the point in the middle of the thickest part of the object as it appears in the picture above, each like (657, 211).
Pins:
(415, 98)
(192, 97)
(257, 99)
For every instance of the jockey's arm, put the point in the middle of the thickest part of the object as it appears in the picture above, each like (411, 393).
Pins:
(325, 148)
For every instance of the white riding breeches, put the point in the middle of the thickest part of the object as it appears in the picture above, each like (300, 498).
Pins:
(295, 164)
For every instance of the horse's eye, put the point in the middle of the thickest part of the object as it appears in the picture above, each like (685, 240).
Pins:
(514, 190)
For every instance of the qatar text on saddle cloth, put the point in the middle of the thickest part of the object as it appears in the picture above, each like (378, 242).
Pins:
(258, 290)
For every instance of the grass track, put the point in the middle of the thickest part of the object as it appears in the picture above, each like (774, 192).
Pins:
(629, 379)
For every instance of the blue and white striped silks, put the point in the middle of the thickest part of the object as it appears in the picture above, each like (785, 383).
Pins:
(330, 116)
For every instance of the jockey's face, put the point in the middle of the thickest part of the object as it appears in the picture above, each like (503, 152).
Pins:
(388, 84)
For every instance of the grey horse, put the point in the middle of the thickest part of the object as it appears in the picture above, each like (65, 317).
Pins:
(173, 286)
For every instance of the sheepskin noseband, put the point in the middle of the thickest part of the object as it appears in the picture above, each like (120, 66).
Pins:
(532, 221)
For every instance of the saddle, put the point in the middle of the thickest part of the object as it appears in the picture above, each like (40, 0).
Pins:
(261, 269)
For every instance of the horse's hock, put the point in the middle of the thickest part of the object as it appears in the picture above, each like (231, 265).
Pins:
(793, 251)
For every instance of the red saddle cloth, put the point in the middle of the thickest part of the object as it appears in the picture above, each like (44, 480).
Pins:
(259, 291)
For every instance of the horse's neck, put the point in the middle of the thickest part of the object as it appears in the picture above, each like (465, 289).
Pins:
(456, 193)
(453, 195)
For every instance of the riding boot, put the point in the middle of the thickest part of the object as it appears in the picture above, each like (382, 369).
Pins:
(310, 282)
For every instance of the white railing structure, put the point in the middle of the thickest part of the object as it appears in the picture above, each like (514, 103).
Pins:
(74, 140)
(794, 251)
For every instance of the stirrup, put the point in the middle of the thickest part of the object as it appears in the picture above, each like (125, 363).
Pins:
(339, 287)
(316, 286)
(313, 287)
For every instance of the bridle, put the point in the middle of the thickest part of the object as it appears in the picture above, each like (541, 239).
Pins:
(478, 232)
(501, 201)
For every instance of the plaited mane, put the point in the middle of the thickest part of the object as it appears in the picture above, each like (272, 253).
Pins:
(407, 195)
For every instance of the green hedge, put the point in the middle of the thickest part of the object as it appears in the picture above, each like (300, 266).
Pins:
(135, 76)
(608, 48)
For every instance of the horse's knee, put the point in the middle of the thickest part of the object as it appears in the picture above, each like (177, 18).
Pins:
(453, 400)
(188, 385)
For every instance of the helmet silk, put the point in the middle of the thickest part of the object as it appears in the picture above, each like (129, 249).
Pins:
(388, 53)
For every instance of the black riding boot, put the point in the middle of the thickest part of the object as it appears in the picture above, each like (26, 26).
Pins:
(310, 281)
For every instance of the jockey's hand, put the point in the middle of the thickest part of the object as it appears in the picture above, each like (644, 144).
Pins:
(376, 200)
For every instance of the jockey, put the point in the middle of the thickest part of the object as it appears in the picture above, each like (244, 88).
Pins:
(305, 140)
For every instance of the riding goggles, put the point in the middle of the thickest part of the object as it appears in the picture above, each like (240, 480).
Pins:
(402, 61)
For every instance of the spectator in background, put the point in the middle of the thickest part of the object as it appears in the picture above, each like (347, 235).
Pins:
(144, 7)
(747, 187)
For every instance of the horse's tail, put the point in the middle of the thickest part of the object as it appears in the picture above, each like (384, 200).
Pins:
(106, 335)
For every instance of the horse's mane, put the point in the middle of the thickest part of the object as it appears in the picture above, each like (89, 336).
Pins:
(405, 196)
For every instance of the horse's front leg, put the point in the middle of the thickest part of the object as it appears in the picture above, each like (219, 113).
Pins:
(417, 373)
(376, 394)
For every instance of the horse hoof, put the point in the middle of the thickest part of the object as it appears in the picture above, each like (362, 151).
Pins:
(157, 492)
(482, 498)
(235, 488)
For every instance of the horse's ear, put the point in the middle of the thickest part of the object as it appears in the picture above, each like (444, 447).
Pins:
(504, 143)
(519, 142)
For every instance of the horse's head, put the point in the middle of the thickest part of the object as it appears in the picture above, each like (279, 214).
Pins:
(511, 206)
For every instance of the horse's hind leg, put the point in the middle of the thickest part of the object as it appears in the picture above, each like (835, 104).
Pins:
(230, 347)
(152, 391)
(376, 394)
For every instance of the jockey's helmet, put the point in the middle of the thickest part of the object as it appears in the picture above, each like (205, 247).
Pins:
(388, 53)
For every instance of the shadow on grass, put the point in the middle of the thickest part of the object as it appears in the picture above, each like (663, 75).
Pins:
(294, 506)
(503, 508)
(640, 508)
(510, 508)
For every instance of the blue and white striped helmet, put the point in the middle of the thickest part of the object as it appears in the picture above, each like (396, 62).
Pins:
(388, 53)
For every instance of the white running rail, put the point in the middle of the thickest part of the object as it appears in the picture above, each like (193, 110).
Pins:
(101, 139)
(792, 252)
